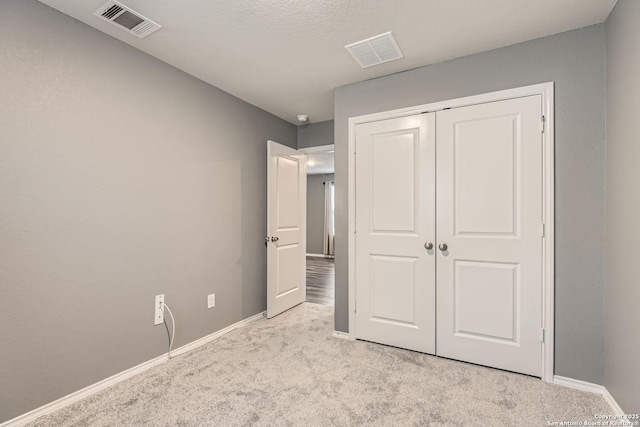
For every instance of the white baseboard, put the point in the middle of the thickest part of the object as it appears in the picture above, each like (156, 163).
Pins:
(121, 376)
(578, 384)
(341, 335)
(590, 387)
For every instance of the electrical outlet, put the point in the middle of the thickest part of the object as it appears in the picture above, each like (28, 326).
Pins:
(159, 310)
(211, 300)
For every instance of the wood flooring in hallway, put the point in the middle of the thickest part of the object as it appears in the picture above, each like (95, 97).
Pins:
(321, 280)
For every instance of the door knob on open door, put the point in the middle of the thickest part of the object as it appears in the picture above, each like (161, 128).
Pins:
(443, 247)
(428, 246)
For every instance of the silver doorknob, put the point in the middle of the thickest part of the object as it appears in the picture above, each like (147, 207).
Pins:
(443, 247)
(428, 246)
(274, 239)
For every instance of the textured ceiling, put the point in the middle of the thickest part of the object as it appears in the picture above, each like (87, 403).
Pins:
(287, 56)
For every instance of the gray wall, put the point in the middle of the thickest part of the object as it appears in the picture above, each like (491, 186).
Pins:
(622, 316)
(120, 178)
(576, 62)
(315, 134)
(315, 212)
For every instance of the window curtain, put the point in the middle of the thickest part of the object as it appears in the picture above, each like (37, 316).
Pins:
(329, 225)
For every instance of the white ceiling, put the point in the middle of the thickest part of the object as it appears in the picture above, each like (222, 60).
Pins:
(287, 56)
(320, 163)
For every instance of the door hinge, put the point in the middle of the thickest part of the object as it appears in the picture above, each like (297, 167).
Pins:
(542, 334)
(542, 124)
(355, 306)
(542, 230)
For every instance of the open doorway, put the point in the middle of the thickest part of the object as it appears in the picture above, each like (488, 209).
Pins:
(320, 224)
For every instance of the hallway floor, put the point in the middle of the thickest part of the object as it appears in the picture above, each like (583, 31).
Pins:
(321, 275)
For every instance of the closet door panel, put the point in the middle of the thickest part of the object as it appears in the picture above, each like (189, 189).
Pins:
(395, 217)
(489, 213)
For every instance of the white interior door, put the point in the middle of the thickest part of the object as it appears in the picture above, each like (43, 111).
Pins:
(489, 210)
(395, 219)
(286, 228)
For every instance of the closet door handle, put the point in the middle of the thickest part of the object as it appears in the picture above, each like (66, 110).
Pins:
(428, 246)
(443, 247)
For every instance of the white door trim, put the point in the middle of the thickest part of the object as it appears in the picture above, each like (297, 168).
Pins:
(546, 90)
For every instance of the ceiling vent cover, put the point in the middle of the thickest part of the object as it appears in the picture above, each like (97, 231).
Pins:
(375, 50)
(120, 15)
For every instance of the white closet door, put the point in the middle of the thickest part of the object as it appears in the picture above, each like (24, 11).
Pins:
(489, 210)
(395, 273)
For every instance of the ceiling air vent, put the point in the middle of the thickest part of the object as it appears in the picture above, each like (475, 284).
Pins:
(375, 50)
(120, 15)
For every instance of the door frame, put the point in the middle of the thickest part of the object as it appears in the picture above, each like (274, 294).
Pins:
(329, 148)
(546, 90)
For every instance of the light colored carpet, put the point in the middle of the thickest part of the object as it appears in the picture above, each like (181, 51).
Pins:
(290, 371)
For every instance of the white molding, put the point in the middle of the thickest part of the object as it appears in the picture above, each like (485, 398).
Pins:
(548, 255)
(617, 410)
(519, 92)
(351, 225)
(318, 149)
(591, 388)
(546, 91)
(82, 393)
(121, 376)
(578, 384)
(341, 335)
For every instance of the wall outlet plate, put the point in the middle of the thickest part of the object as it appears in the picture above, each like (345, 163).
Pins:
(159, 310)
(211, 301)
